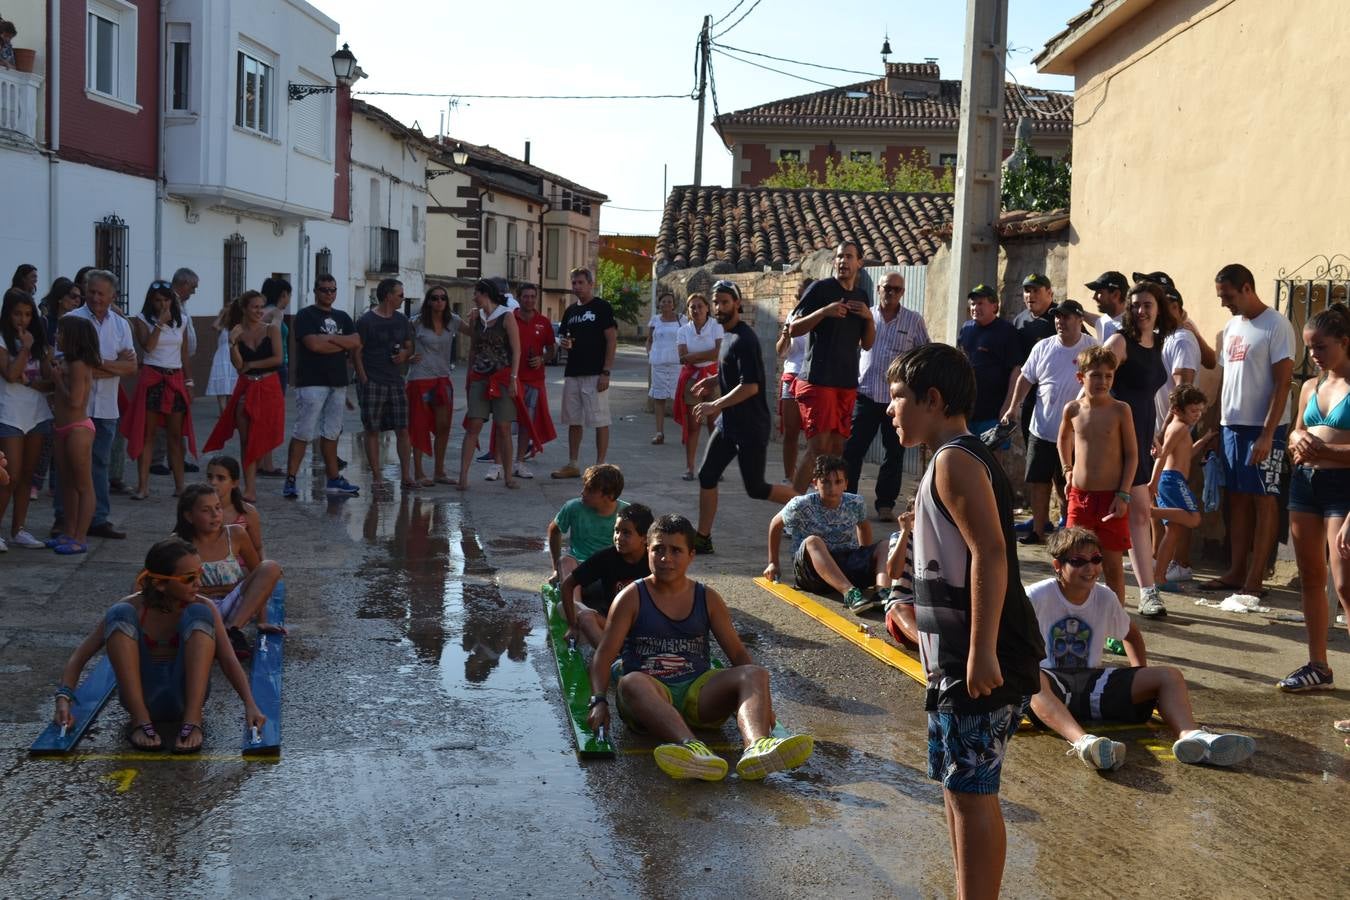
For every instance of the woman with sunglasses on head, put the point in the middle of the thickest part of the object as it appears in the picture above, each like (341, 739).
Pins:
(163, 397)
(257, 408)
(25, 417)
(431, 396)
(234, 577)
(161, 642)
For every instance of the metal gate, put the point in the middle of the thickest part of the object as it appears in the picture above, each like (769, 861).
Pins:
(916, 280)
(1306, 291)
(110, 253)
(236, 267)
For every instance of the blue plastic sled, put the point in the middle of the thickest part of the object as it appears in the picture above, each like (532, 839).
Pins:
(265, 682)
(90, 698)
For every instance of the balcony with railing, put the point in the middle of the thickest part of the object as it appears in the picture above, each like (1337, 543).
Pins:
(383, 251)
(19, 98)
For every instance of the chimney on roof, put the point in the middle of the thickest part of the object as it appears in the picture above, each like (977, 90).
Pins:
(527, 153)
(914, 81)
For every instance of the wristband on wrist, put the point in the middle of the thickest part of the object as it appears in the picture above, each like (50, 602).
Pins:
(597, 699)
(1123, 495)
(67, 693)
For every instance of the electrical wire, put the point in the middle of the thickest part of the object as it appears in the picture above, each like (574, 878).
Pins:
(631, 208)
(738, 21)
(772, 69)
(523, 96)
(729, 12)
(796, 62)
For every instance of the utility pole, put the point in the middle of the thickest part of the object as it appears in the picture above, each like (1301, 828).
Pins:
(703, 40)
(979, 156)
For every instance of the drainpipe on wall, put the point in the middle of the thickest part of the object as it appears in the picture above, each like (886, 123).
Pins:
(53, 133)
(159, 164)
(545, 207)
(482, 231)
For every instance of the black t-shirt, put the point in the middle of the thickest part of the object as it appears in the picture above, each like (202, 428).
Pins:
(320, 369)
(741, 362)
(1033, 329)
(832, 346)
(994, 350)
(586, 326)
(604, 574)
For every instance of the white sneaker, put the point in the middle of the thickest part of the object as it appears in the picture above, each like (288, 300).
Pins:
(1103, 754)
(1179, 573)
(522, 472)
(1150, 603)
(4, 548)
(27, 541)
(494, 474)
(1215, 749)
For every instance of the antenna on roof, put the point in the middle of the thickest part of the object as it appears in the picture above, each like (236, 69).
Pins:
(885, 51)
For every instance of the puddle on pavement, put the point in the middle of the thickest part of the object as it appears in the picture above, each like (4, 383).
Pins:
(516, 543)
(477, 638)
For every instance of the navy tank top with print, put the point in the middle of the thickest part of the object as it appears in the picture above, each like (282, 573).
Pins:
(665, 649)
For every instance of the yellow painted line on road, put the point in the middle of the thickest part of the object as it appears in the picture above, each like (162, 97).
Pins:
(849, 629)
(1160, 749)
(122, 778)
(145, 756)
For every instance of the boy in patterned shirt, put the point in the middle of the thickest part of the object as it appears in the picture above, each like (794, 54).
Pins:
(833, 549)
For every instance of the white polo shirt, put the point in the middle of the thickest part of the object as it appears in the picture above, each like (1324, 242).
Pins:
(114, 336)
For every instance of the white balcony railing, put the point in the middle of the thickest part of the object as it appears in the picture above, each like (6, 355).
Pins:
(19, 103)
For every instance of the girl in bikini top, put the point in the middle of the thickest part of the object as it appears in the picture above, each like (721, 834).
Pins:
(223, 474)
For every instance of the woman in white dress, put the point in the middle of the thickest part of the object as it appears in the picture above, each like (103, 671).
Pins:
(663, 354)
(221, 384)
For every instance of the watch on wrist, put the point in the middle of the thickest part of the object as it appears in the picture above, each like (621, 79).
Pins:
(597, 699)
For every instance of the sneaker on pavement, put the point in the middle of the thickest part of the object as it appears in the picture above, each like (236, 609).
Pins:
(774, 754)
(703, 544)
(486, 457)
(567, 471)
(159, 469)
(885, 513)
(692, 759)
(494, 474)
(107, 530)
(1150, 603)
(340, 485)
(1114, 646)
(1022, 527)
(289, 490)
(1030, 538)
(4, 548)
(1103, 754)
(1204, 746)
(27, 541)
(1179, 573)
(859, 603)
(522, 472)
(191, 467)
(1307, 677)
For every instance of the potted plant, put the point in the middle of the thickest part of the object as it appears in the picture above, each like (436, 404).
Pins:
(24, 59)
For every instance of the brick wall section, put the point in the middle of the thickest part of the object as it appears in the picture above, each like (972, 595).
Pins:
(96, 133)
(756, 164)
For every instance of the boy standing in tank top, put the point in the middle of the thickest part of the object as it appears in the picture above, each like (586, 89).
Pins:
(978, 637)
(656, 641)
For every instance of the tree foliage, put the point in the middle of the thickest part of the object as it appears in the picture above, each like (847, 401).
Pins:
(623, 288)
(911, 174)
(1039, 184)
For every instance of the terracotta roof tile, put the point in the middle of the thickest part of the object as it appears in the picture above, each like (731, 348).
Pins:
(871, 105)
(754, 227)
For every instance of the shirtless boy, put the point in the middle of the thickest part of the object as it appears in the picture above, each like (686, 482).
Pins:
(656, 640)
(1174, 504)
(1097, 446)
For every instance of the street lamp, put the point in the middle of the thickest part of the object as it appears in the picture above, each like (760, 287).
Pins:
(344, 70)
(459, 155)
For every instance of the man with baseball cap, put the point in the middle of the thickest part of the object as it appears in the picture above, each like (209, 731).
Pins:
(1052, 369)
(1108, 292)
(994, 349)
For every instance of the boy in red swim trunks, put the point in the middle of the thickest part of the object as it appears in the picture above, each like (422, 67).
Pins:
(1097, 447)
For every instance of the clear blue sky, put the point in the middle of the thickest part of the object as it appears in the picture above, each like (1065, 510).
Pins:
(618, 147)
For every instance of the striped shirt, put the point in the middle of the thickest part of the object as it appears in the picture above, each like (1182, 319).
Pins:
(900, 335)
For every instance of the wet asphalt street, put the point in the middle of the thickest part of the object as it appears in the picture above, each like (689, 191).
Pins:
(425, 751)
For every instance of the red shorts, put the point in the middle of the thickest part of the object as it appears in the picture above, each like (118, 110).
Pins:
(825, 409)
(1086, 509)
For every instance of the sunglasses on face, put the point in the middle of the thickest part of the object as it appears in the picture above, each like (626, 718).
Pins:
(1080, 561)
(892, 289)
(160, 286)
(438, 298)
(325, 290)
(188, 578)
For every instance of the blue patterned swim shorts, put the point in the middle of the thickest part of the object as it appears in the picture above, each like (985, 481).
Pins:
(966, 750)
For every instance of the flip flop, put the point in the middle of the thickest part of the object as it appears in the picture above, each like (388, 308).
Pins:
(147, 729)
(185, 732)
(138, 497)
(1342, 725)
(410, 485)
(1215, 585)
(269, 628)
(70, 548)
(426, 482)
(445, 479)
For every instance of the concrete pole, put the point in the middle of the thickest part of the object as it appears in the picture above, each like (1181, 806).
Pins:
(702, 93)
(979, 156)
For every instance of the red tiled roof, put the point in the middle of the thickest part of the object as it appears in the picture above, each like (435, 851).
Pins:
(753, 227)
(870, 105)
(1018, 223)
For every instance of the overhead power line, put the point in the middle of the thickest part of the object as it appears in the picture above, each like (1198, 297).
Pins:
(729, 13)
(524, 96)
(796, 62)
(738, 21)
(749, 62)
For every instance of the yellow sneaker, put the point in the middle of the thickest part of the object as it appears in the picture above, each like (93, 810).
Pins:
(771, 754)
(692, 759)
(567, 471)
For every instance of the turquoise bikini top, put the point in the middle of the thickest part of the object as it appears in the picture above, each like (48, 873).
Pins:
(1339, 418)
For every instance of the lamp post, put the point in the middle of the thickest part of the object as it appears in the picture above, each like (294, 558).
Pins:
(459, 155)
(344, 70)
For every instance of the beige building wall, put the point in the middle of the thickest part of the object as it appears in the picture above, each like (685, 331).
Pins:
(1208, 132)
